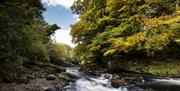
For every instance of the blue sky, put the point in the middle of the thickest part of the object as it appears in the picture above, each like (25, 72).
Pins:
(59, 12)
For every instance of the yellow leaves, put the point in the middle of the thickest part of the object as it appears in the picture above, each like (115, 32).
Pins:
(135, 17)
(167, 37)
(137, 38)
(76, 29)
(117, 42)
(157, 43)
(163, 24)
(110, 52)
(174, 22)
(177, 41)
(157, 21)
(112, 27)
(166, 17)
(94, 47)
(162, 20)
(124, 8)
(101, 21)
(88, 15)
(152, 22)
(142, 7)
(135, 41)
(177, 12)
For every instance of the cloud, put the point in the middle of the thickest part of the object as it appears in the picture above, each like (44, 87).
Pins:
(65, 3)
(76, 17)
(63, 36)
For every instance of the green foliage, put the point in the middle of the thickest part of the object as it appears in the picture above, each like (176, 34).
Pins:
(24, 36)
(111, 28)
(50, 29)
(11, 68)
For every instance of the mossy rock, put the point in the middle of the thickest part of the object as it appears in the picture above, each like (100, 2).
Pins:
(66, 76)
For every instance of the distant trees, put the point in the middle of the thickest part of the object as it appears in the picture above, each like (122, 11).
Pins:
(112, 28)
(61, 54)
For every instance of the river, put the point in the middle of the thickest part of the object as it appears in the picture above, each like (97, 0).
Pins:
(103, 83)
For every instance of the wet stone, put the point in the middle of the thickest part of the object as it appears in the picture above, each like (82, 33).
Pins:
(50, 77)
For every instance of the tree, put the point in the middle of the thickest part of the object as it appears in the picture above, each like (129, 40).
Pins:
(24, 36)
(111, 28)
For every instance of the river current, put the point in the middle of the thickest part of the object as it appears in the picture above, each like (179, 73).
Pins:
(103, 83)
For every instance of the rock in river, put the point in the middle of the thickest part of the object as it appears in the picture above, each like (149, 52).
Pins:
(119, 81)
(50, 77)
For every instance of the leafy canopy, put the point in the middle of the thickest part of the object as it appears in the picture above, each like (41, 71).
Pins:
(114, 28)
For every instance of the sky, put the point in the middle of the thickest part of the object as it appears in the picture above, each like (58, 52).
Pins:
(59, 12)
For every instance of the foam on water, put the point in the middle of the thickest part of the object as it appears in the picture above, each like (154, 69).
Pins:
(73, 70)
(174, 81)
(101, 83)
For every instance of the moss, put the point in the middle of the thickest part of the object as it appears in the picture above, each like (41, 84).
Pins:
(170, 67)
(66, 76)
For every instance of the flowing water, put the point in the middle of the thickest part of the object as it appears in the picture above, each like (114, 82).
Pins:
(103, 83)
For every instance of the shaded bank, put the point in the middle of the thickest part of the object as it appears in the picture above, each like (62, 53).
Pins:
(39, 82)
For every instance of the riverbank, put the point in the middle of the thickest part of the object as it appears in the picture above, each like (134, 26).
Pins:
(123, 74)
(37, 84)
(153, 67)
(38, 81)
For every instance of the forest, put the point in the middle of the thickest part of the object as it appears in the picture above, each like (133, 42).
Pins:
(135, 35)
(139, 28)
(26, 40)
(138, 36)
